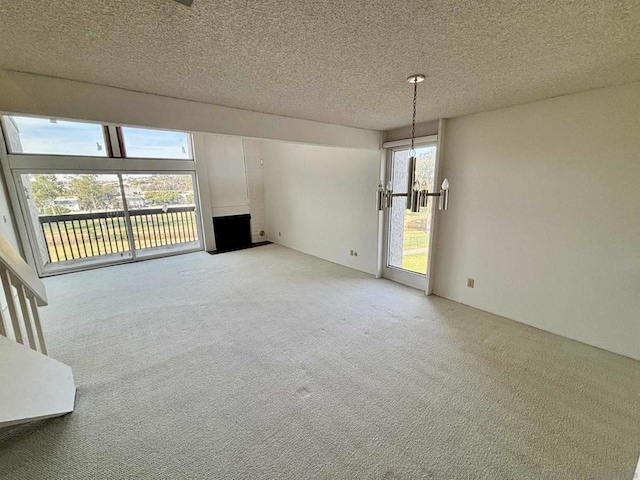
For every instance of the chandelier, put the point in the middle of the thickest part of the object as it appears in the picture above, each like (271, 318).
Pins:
(417, 196)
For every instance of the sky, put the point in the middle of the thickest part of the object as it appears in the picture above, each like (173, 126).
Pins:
(41, 136)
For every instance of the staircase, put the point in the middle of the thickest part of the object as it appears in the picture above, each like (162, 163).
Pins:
(33, 386)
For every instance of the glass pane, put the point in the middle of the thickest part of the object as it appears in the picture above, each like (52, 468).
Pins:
(78, 219)
(408, 231)
(54, 137)
(147, 143)
(162, 211)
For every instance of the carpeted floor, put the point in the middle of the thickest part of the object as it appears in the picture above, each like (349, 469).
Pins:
(267, 363)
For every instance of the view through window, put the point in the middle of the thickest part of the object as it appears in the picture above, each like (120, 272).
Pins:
(54, 137)
(81, 216)
(147, 143)
(408, 236)
(83, 213)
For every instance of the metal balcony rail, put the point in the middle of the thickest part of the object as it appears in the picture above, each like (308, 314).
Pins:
(81, 235)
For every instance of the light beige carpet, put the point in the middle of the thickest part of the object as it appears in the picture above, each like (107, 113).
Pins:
(268, 363)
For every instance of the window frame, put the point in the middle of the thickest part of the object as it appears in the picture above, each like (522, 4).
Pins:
(7, 143)
(123, 146)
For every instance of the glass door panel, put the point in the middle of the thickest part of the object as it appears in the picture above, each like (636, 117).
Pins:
(78, 220)
(162, 210)
(408, 232)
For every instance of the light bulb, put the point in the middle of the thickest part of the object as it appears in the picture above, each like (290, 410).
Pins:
(445, 184)
(389, 186)
(416, 186)
(424, 185)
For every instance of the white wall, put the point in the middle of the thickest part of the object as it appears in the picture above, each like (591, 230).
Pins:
(321, 201)
(545, 215)
(222, 179)
(40, 95)
(422, 130)
(255, 181)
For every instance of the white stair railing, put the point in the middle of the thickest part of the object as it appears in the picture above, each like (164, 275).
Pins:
(33, 386)
(23, 293)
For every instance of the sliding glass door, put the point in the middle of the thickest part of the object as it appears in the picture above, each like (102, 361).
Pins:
(84, 220)
(162, 213)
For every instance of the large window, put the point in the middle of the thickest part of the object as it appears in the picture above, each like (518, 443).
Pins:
(137, 201)
(49, 136)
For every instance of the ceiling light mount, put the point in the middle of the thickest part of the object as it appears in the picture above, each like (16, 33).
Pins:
(416, 78)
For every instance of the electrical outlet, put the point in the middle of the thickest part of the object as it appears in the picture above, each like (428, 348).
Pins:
(351, 253)
(355, 254)
(470, 282)
(279, 234)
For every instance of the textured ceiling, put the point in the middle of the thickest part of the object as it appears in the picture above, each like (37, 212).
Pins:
(336, 61)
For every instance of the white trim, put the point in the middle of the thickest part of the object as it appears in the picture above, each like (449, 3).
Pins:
(405, 277)
(96, 164)
(433, 235)
(407, 141)
(381, 217)
(637, 474)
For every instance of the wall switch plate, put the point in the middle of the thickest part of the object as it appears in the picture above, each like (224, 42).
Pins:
(470, 282)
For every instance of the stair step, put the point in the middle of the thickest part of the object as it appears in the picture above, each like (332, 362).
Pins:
(33, 386)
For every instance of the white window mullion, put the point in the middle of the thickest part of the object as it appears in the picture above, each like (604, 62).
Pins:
(63, 163)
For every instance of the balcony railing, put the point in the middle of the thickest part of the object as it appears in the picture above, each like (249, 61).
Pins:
(83, 235)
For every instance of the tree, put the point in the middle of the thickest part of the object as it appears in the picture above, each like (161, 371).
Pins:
(91, 194)
(162, 197)
(46, 188)
(59, 210)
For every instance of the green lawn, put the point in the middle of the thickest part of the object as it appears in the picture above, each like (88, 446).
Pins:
(414, 240)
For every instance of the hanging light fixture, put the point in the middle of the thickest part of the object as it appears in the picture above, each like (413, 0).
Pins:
(417, 194)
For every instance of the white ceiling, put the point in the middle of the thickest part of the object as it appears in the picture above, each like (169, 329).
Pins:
(336, 61)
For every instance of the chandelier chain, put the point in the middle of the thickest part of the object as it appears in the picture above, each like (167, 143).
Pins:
(413, 121)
